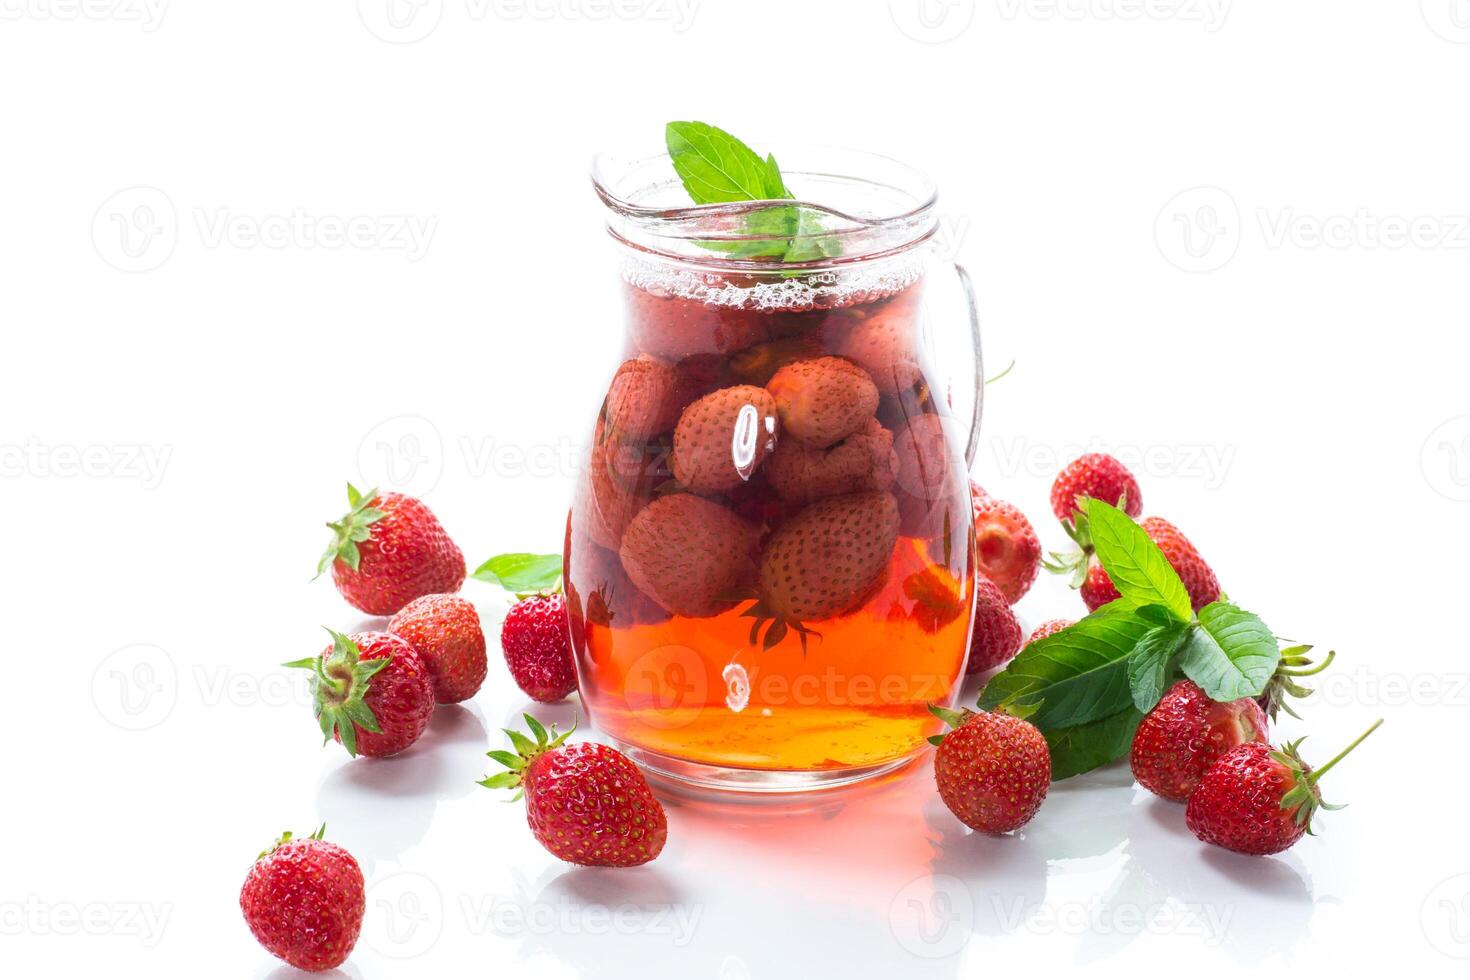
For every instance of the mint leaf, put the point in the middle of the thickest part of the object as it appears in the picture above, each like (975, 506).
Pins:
(1082, 748)
(522, 573)
(1229, 653)
(1137, 567)
(1078, 675)
(717, 168)
(1148, 667)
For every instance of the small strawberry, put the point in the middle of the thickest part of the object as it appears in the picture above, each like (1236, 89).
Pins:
(823, 401)
(537, 641)
(303, 901)
(688, 554)
(371, 692)
(756, 365)
(1049, 628)
(992, 769)
(925, 481)
(586, 803)
(1095, 475)
(1199, 580)
(1185, 733)
(828, 559)
(388, 551)
(864, 460)
(883, 346)
(1258, 800)
(642, 399)
(1007, 550)
(722, 438)
(997, 633)
(444, 630)
(536, 635)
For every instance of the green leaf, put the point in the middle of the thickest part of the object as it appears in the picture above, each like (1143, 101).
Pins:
(1082, 748)
(717, 168)
(1078, 675)
(1148, 667)
(521, 573)
(1137, 567)
(1229, 653)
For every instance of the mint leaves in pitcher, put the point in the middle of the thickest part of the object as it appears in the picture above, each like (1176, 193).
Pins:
(717, 168)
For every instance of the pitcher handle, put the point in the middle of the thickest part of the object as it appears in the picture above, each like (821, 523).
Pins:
(967, 285)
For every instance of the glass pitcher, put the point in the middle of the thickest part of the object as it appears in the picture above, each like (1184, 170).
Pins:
(769, 563)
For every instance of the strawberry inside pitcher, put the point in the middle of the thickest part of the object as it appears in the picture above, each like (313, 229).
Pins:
(769, 556)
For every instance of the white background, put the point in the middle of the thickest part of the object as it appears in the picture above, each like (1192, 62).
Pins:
(181, 403)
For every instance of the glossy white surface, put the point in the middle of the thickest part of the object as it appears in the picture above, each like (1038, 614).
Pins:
(181, 402)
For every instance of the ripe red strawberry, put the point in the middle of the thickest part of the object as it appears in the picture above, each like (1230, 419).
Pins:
(1199, 580)
(688, 554)
(642, 399)
(586, 803)
(371, 692)
(444, 630)
(1182, 737)
(621, 474)
(1007, 550)
(303, 901)
(722, 438)
(388, 551)
(823, 401)
(676, 327)
(1095, 475)
(864, 460)
(537, 641)
(992, 769)
(1049, 628)
(1258, 800)
(997, 633)
(883, 347)
(830, 557)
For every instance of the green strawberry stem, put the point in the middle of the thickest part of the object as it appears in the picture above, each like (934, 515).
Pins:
(340, 681)
(526, 752)
(1317, 774)
(351, 530)
(1301, 666)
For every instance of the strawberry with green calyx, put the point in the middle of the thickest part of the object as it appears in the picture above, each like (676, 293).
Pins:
(371, 692)
(1099, 476)
(992, 768)
(536, 634)
(1259, 800)
(1185, 734)
(388, 550)
(304, 901)
(586, 802)
(1295, 664)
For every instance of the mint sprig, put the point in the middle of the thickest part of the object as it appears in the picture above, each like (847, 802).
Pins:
(717, 168)
(1088, 686)
(522, 573)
